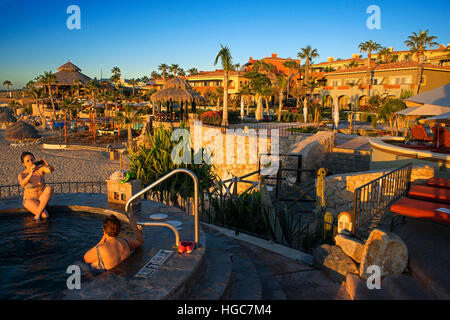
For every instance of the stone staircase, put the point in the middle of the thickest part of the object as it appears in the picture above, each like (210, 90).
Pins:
(236, 270)
(346, 161)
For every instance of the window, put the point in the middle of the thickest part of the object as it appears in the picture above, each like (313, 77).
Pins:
(335, 83)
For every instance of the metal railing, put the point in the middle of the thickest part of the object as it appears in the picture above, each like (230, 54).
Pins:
(16, 190)
(372, 199)
(164, 224)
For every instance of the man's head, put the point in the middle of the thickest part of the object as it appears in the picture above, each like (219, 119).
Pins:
(111, 226)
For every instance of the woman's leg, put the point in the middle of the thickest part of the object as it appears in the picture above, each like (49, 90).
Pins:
(44, 198)
(33, 206)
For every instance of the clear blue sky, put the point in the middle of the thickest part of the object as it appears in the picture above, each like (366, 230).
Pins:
(137, 36)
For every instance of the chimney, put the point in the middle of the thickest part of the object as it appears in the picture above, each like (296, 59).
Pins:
(391, 49)
(355, 56)
(274, 55)
(330, 59)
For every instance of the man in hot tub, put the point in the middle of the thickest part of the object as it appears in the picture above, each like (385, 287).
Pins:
(112, 249)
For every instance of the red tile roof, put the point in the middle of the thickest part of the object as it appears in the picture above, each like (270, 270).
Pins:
(387, 66)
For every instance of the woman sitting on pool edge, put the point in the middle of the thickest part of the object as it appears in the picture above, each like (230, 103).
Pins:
(36, 195)
(112, 250)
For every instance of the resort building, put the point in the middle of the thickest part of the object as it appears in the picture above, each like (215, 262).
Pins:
(353, 86)
(210, 81)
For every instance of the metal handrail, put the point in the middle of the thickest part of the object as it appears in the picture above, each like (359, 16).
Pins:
(163, 224)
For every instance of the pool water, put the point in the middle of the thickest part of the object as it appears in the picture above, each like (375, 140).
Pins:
(34, 256)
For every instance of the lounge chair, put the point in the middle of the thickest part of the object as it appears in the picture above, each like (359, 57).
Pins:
(422, 133)
(439, 182)
(421, 209)
(429, 193)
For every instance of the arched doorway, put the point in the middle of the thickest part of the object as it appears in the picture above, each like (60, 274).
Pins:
(327, 101)
(344, 103)
(363, 101)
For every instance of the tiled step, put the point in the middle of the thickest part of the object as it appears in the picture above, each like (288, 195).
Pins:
(245, 284)
(215, 282)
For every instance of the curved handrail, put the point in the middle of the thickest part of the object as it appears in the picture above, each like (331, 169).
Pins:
(154, 184)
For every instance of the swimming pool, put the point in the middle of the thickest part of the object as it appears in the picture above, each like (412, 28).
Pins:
(34, 256)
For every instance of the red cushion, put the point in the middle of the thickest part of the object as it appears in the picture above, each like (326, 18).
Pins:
(421, 209)
(429, 193)
(439, 182)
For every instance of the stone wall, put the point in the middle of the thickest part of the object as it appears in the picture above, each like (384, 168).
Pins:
(339, 189)
(313, 150)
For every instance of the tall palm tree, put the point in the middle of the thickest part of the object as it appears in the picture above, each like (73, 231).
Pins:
(291, 65)
(281, 84)
(133, 82)
(37, 94)
(155, 75)
(115, 78)
(192, 71)
(369, 47)
(163, 68)
(418, 43)
(129, 116)
(48, 78)
(174, 68)
(227, 64)
(7, 84)
(308, 54)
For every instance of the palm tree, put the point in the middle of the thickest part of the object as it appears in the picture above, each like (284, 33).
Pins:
(418, 43)
(291, 65)
(37, 94)
(155, 75)
(174, 68)
(48, 78)
(369, 47)
(258, 84)
(308, 54)
(133, 82)
(226, 59)
(115, 78)
(244, 93)
(281, 84)
(7, 84)
(163, 68)
(192, 72)
(129, 116)
(218, 94)
(352, 64)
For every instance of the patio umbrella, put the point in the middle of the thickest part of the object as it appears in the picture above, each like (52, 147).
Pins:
(441, 117)
(336, 114)
(425, 110)
(20, 131)
(439, 96)
(305, 110)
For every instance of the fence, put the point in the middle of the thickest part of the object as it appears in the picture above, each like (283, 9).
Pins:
(250, 216)
(372, 199)
(58, 187)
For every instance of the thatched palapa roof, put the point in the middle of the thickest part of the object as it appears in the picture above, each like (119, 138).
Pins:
(21, 131)
(6, 117)
(176, 89)
(68, 73)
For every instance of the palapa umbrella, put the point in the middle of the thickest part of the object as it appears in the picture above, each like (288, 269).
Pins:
(6, 117)
(176, 89)
(21, 131)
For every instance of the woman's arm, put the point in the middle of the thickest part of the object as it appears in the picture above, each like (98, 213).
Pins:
(138, 238)
(24, 181)
(47, 168)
